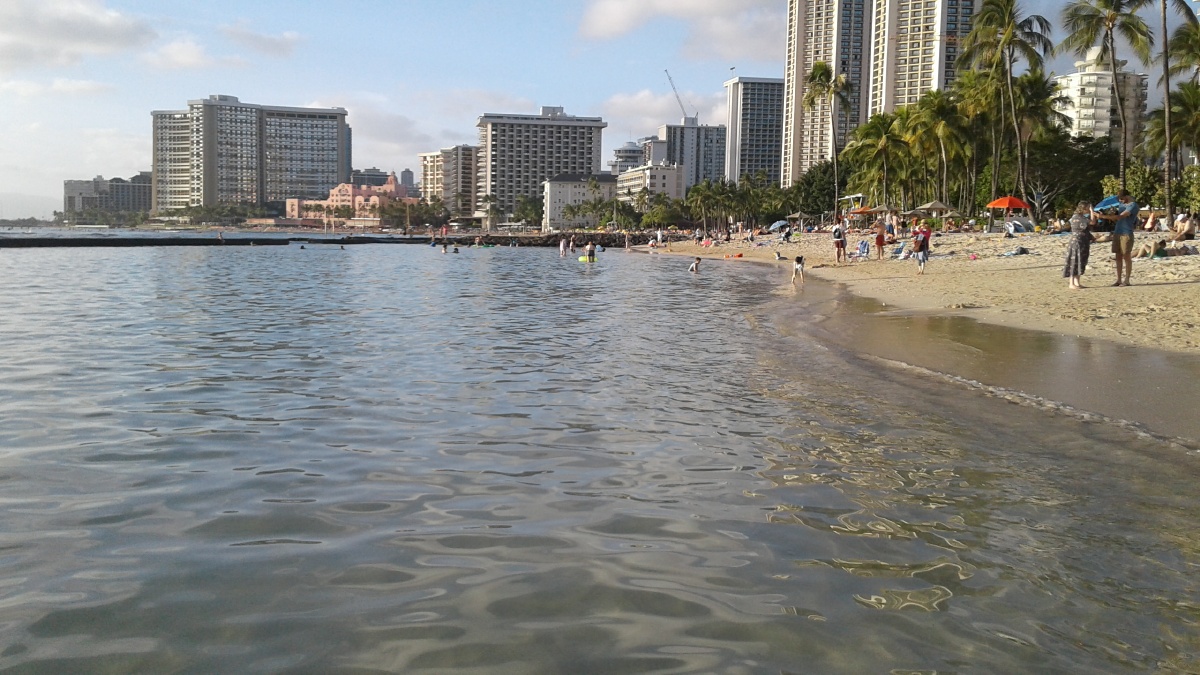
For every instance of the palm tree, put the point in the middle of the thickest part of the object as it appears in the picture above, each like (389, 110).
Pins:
(1182, 7)
(1184, 52)
(939, 117)
(1098, 22)
(823, 87)
(875, 147)
(1000, 36)
(978, 96)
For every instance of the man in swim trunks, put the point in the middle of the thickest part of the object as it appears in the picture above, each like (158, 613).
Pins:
(1122, 238)
(880, 235)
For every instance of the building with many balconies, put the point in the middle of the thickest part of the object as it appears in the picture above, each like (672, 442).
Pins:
(1092, 106)
(754, 130)
(223, 151)
(573, 189)
(451, 175)
(112, 194)
(519, 153)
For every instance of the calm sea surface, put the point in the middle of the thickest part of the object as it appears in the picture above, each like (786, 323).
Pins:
(385, 459)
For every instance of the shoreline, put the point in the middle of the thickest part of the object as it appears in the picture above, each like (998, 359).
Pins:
(1019, 291)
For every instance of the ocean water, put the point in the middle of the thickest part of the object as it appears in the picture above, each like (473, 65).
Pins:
(386, 459)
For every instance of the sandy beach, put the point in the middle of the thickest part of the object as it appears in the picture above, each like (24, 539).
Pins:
(969, 274)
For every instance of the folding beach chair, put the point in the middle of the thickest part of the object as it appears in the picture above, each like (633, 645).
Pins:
(862, 253)
(899, 252)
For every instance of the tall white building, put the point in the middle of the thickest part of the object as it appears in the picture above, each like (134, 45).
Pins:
(223, 151)
(891, 51)
(451, 174)
(518, 153)
(914, 46)
(698, 149)
(754, 130)
(1092, 107)
(836, 32)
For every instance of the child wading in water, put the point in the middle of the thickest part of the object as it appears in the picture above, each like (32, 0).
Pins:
(798, 269)
(695, 267)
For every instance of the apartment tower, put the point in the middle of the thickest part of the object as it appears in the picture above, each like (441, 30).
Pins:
(1092, 106)
(450, 174)
(754, 130)
(518, 153)
(914, 46)
(836, 32)
(223, 151)
(699, 150)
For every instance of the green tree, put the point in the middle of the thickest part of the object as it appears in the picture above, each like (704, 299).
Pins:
(822, 87)
(1099, 22)
(875, 148)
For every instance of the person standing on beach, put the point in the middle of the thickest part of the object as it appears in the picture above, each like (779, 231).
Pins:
(920, 236)
(1080, 246)
(839, 242)
(880, 236)
(798, 269)
(1125, 220)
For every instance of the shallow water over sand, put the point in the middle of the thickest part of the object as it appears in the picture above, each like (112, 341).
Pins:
(386, 459)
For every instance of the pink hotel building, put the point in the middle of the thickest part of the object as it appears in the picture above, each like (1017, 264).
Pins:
(367, 201)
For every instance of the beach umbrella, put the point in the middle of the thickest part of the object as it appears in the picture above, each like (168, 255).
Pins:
(882, 208)
(861, 210)
(776, 225)
(1008, 203)
(952, 214)
(799, 215)
(934, 205)
(1107, 203)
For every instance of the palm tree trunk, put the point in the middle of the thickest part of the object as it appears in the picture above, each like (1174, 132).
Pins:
(833, 154)
(1167, 155)
(996, 158)
(1112, 62)
(1012, 100)
(945, 173)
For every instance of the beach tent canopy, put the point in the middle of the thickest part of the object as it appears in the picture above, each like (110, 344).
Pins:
(915, 212)
(1007, 203)
(934, 205)
(799, 215)
(882, 208)
(952, 214)
(776, 225)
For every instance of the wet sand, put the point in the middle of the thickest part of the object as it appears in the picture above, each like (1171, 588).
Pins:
(1009, 324)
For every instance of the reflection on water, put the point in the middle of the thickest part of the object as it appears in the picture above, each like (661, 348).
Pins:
(386, 459)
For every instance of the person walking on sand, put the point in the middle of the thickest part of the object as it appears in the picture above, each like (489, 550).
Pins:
(1125, 220)
(839, 242)
(920, 236)
(695, 268)
(1080, 246)
(798, 269)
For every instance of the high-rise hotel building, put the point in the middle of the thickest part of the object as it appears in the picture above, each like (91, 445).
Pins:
(891, 51)
(754, 129)
(518, 153)
(450, 174)
(914, 46)
(836, 32)
(223, 151)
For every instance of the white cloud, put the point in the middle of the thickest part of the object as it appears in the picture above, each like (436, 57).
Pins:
(62, 32)
(60, 85)
(632, 116)
(726, 29)
(185, 53)
(272, 45)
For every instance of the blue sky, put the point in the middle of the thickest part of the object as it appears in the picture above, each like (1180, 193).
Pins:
(78, 78)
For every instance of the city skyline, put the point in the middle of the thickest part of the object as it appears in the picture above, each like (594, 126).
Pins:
(81, 77)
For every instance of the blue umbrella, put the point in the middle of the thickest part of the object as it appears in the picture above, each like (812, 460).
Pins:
(776, 225)
(1107, 203)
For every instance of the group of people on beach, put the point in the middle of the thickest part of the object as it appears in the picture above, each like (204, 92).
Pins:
(1124, 219)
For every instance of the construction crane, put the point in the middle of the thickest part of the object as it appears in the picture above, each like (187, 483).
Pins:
(678, 98)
